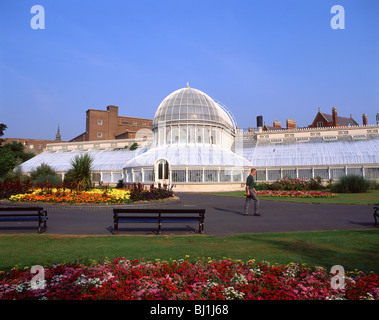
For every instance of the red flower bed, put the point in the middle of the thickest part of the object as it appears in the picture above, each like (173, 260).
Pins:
(222, 280)
(296, 194)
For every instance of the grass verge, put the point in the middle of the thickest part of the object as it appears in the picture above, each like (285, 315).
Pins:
(368, 198)
(353, 249)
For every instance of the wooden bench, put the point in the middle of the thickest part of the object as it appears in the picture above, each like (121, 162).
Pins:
(376, 214)
(17, 214)
(158, 216)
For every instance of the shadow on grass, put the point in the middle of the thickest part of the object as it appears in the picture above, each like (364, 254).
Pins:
(285, 250)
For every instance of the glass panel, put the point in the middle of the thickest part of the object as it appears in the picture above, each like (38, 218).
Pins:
(355, 171)
(372, 173)
(183, 135)
(289, 173)
(116, 176)
(191, 134)
(211, 176)
(273, 175)
(137, 176)
(305, 173)
(337, 173)
(178, 175)
(148, 175)
(96, 177)
(195, 175)
(166, 172)
(106, 177)
(323, 173)
(237, 175)
(160, 171)
(225, 175)
(129, 176)
(260, 176)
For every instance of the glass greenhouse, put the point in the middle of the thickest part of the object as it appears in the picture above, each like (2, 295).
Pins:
(197, 146)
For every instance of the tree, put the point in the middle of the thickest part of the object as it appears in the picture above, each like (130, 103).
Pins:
(2, 128)
(11, 155)
(44, 174)
(134, 146)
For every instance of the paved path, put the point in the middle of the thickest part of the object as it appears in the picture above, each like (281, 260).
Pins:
(223, 217)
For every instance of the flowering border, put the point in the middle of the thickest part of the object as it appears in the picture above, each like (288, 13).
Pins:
(296, 194)
(204, 279)
(66, 196)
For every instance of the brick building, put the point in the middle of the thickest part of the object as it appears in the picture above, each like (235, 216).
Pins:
(108, 125)
(35, 146)
(277, 125)
(333, 120)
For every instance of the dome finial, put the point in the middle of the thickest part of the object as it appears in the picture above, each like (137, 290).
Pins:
(188, 86)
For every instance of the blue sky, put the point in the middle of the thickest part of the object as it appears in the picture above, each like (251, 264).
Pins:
(279, 59)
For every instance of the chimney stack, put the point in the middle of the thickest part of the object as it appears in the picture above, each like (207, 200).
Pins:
(291, 124)
(334, 113)
(259, 123)
(277, 124)
(364, 118)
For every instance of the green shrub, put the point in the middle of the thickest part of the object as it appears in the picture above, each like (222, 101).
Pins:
(42, 170)
(315, 183)
(134, 146)
(79, 176)
(262, 186)
(350, 184)
(373, 185)
(275, 186)
(120, 184)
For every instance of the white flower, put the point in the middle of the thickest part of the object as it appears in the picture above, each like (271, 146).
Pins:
(232, 294)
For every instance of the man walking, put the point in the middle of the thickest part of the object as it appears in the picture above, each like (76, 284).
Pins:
(251, 193)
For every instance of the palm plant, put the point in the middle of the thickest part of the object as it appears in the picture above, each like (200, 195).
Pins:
(80, 173)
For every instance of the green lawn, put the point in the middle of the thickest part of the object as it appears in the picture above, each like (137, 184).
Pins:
(355, 249)
(369, 198)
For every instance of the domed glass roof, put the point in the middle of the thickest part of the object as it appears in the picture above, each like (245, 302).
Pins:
(192, 105)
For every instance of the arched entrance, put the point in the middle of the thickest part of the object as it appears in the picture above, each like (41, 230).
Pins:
(162, 172)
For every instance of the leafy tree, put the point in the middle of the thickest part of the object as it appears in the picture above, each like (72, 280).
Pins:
(11, 155)
(134, 146)
(2, 128)
(44, 174)
(42, 170)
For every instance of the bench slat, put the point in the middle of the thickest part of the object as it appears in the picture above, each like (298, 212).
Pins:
(19, 219)
(138, 220)
(21, 209)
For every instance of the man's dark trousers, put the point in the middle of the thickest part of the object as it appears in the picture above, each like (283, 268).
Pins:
(247, 202)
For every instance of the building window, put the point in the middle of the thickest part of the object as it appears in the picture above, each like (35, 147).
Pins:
(99, 135)
(163, 170)
(195, 175)
(211, 175)
(149, 176)
(320, 124)
(40, 146)
(100, 122)
(178, 175)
